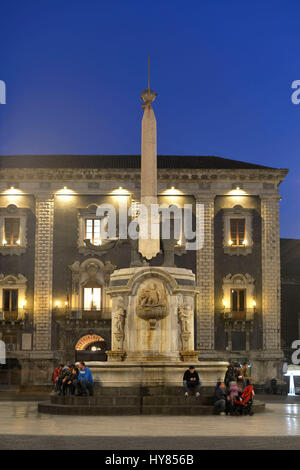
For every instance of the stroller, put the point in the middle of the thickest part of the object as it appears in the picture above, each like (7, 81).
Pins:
(243, 406)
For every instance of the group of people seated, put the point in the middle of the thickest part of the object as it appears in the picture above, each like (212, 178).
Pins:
(72, 380)
(232, 396)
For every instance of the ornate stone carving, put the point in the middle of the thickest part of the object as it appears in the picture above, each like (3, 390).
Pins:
(108, 269)
(184, 318)
(119, 317)
(152, 302)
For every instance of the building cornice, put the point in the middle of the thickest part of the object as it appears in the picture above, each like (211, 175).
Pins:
(183, 175)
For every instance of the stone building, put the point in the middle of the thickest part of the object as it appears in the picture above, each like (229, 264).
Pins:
(290, 290)
(53, 285)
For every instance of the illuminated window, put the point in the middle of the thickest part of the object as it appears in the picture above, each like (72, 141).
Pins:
(92, 298)
(237, 231)
(238, 300)
(10, 300)
(93, 231)
(12, 231)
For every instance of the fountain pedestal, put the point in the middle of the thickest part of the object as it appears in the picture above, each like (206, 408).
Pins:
(153, 329)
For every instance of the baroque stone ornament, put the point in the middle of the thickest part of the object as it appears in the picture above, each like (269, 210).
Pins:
(119, 325)
(184, 318)
(152, 302)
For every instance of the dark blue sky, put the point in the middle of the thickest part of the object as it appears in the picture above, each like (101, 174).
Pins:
(223, 71)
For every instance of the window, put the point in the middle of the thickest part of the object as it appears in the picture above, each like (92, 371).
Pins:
(92, 298)
(93, 231)
(10, 300)
(237, 238)
(13, 240)
(11, 231)
(238, 300)
(237, 232)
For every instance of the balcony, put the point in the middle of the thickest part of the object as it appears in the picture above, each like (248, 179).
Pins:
(68, 314)
(9, 316)
(238, 320)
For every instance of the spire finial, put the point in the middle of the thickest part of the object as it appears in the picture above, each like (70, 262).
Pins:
(148, 72)
(148, 96)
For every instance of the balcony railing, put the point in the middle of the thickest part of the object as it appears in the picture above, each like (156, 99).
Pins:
(9, 316)
(246, 315)
(80, 314)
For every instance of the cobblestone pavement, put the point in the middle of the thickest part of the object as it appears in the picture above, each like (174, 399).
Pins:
(21, 427)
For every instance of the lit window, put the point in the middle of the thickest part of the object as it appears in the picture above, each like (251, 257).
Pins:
(12, 231)
(92, 298)
(237, 232)
(93, 231)
(238, 297)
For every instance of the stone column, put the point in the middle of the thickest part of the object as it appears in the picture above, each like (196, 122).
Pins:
(205, 279)
(270, 272)
(149, 244)
(43, 272)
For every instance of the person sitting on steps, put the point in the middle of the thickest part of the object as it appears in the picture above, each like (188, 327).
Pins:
(191, 381)
(85, 380)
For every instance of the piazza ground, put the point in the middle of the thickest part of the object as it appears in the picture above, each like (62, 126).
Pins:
(21, 427)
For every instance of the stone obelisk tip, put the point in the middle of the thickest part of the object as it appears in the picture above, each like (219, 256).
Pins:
(148, 95)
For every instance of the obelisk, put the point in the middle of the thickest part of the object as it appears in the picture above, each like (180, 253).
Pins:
(149, 244)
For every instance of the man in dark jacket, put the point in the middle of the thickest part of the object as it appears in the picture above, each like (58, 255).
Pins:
(231, 374)
(191, 381)
(220, 398)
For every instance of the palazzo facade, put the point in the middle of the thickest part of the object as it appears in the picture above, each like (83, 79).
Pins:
(54, 305)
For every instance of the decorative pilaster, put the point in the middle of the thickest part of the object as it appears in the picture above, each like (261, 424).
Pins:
(43, 272)
(205, 277)
(270, 272)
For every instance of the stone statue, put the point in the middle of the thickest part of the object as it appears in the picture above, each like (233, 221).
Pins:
(120, 316)
(119, 326)
(184, 319)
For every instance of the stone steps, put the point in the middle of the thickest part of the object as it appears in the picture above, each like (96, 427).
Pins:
(178, 410)
(177, 401)
(133, 400)
(120, 401)
(126, 410)
(105, 400)
(84, 410)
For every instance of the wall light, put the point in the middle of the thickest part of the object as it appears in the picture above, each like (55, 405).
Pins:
(237, 192)
(12, 191)
(65, 192)
(120, 192)
(172, 191)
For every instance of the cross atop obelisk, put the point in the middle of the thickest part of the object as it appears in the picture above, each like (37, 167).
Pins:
(149, 227)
